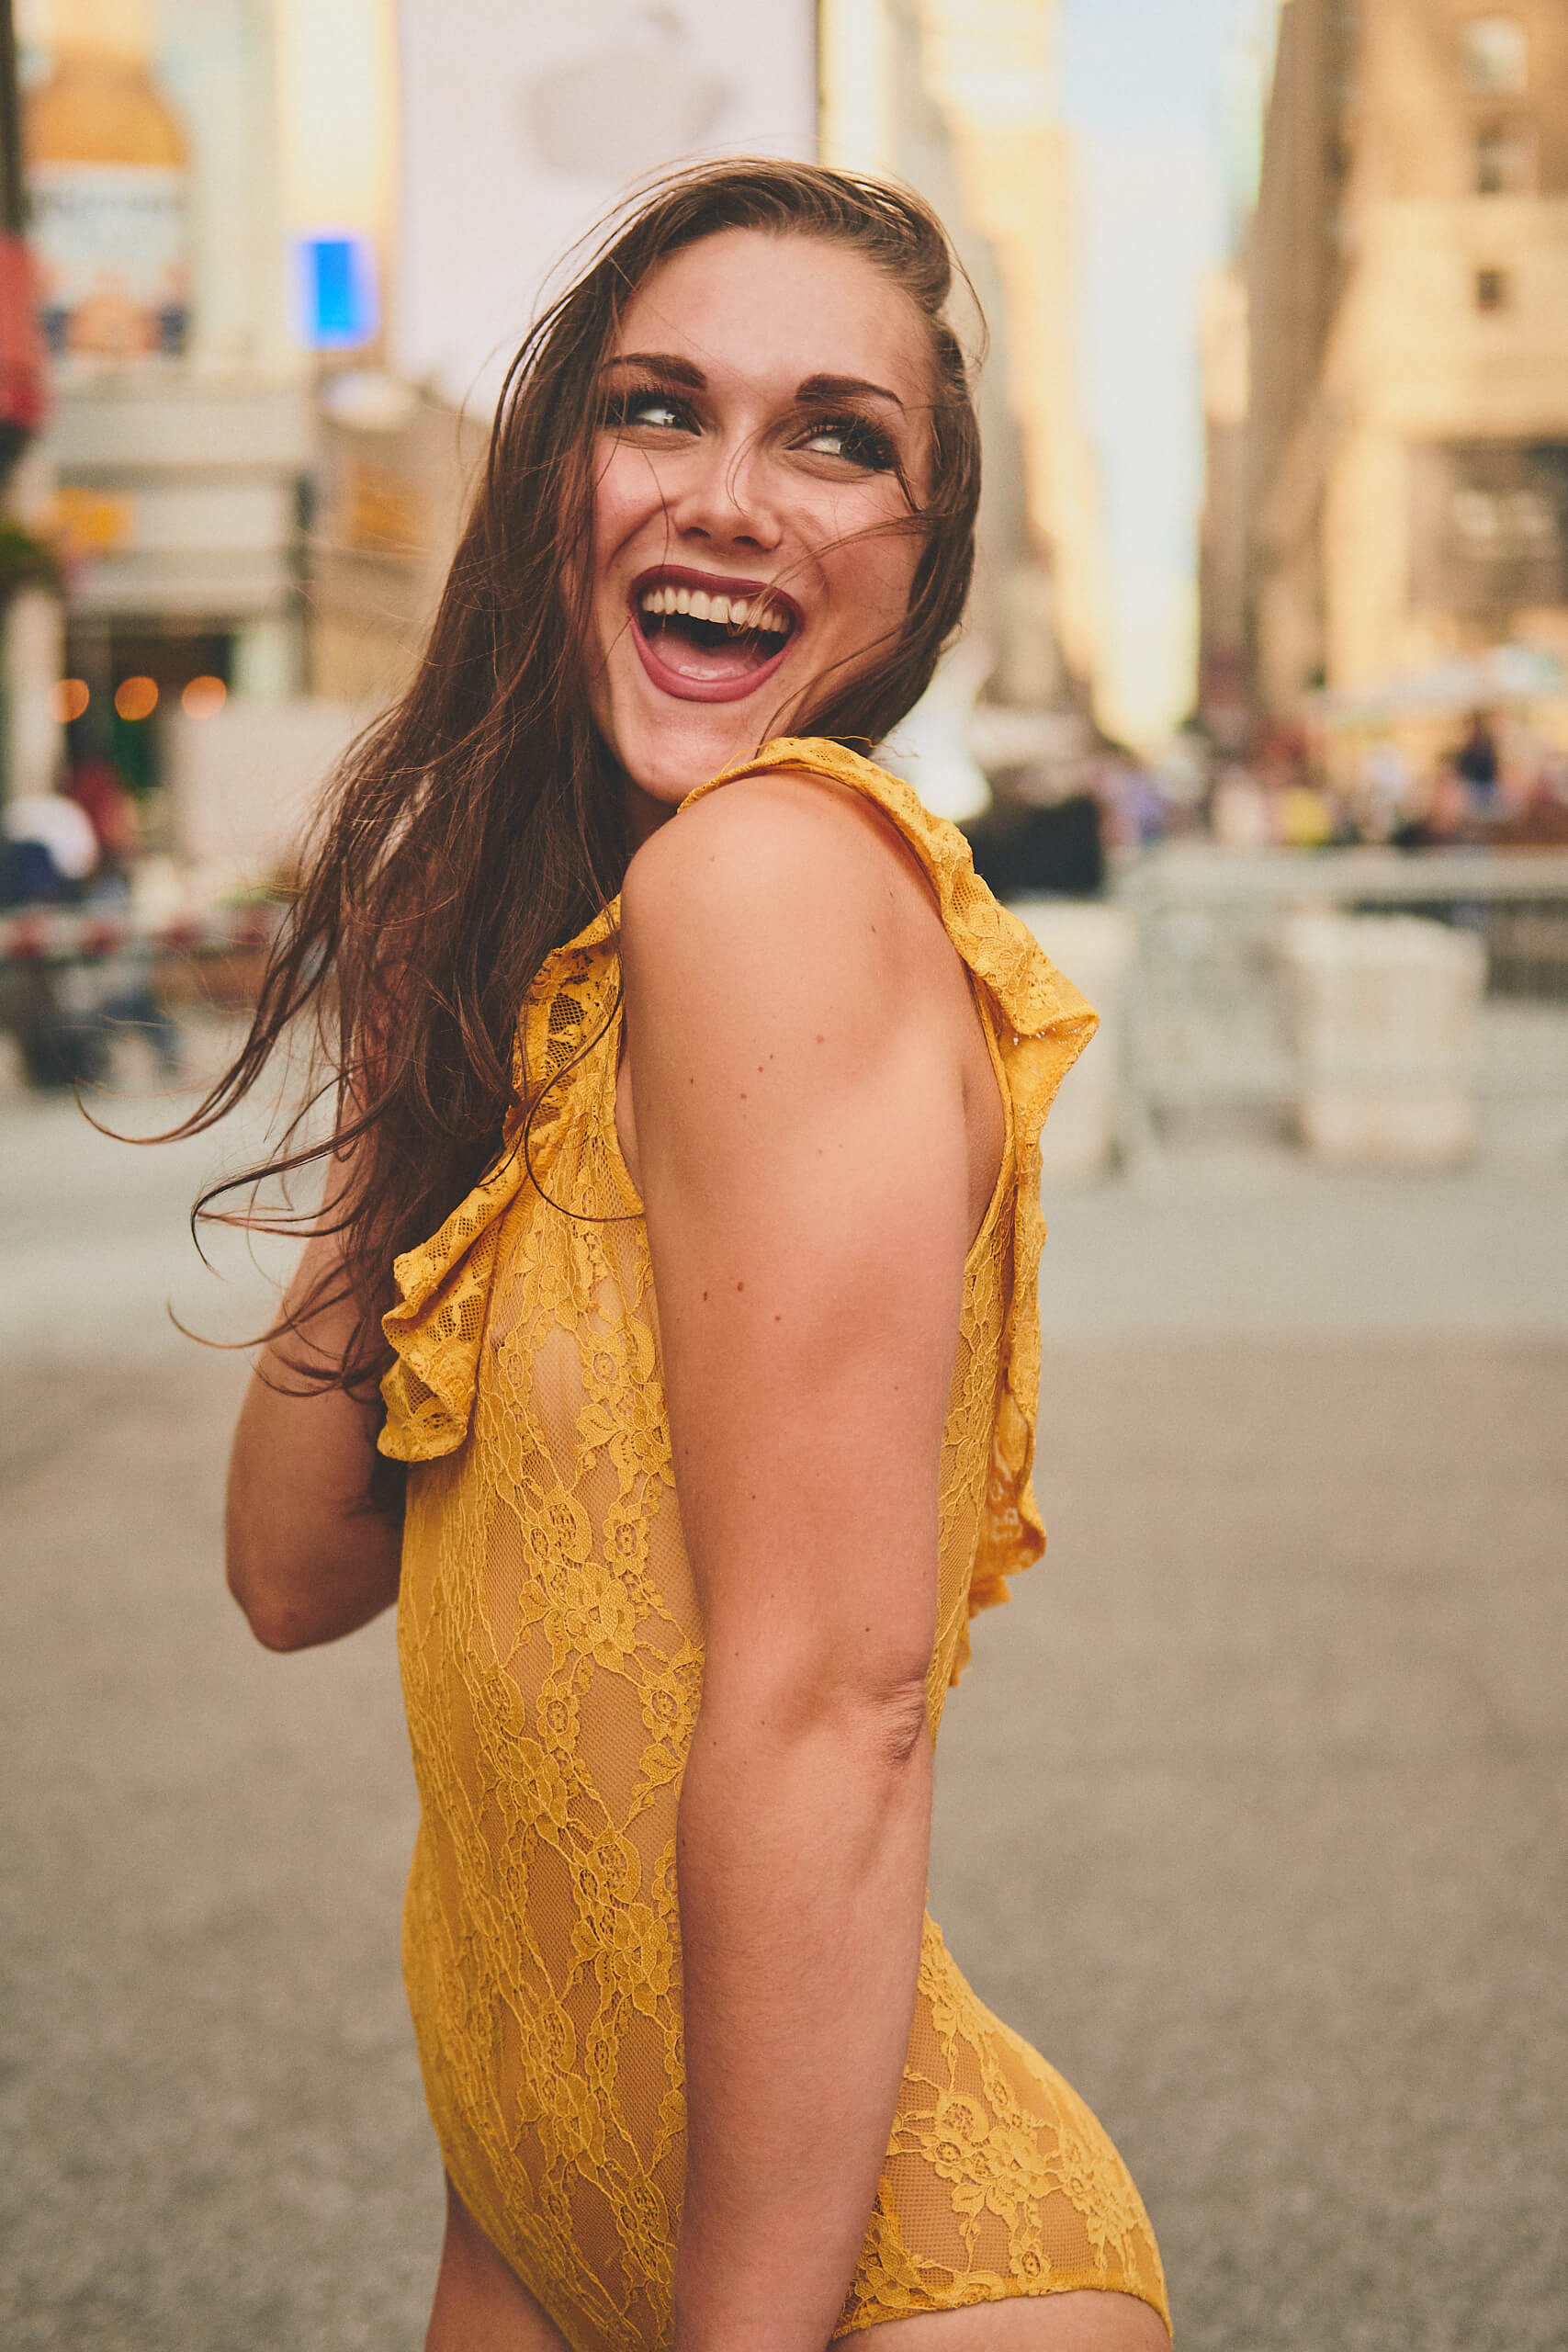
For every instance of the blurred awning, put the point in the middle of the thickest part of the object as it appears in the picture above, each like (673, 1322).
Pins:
(1502, 674)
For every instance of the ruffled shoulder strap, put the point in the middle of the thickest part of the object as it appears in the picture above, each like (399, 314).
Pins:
(436, 1328)
(1040, 1025)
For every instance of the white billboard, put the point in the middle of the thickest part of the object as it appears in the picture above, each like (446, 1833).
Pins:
(521, 124)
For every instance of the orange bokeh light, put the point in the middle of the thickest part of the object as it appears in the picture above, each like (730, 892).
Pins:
(136, 697)
(202, 697)
(67, 700)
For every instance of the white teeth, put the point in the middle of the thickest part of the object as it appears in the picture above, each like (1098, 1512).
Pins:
(722, 612)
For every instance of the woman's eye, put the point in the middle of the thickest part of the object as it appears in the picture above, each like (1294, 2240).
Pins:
(851, 438)
(657, 409)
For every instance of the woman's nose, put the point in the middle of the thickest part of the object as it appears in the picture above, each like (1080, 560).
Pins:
(726, 496)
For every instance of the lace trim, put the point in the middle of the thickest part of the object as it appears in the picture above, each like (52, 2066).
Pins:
(444, 1286)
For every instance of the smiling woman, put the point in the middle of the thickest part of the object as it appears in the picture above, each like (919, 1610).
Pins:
(678, 1246)
(715, 443)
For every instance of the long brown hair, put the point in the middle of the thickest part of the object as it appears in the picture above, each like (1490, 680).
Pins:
(481, 822)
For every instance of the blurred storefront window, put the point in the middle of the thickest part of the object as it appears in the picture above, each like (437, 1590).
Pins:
(108, 168)
(170, 481)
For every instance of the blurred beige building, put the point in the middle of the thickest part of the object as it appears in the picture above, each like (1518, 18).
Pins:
(958, 98)
(1406, 482)
(1225, 365)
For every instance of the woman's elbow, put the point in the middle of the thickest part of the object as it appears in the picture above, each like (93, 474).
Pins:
(284, 1620)
(294, 1596)
(279, 1633)
(877, 1719)
(305, 1575)
(898, 1724)
(276, 1623)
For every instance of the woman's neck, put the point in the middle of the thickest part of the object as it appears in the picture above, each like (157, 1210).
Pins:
(645, 814)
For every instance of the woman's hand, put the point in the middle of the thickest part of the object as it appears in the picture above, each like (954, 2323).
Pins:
(309, 1555)
(799, 1032)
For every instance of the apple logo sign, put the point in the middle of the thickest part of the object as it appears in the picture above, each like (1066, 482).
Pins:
(624, 110)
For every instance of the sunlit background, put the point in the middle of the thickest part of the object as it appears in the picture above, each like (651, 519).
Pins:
(1259, 718)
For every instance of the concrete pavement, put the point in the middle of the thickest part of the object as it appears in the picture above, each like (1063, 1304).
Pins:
(1251, 1815)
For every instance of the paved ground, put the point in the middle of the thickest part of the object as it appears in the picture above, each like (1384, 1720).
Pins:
(1252, 1813)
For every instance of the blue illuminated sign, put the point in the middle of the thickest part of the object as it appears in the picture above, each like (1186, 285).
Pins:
(339, 302)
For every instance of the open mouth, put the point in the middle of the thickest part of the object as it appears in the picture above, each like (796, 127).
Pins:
(707, 639)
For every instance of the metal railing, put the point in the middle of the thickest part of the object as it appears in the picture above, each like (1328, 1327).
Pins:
(88, 934)
(77, 983)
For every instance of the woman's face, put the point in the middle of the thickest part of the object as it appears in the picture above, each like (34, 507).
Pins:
(761, 398)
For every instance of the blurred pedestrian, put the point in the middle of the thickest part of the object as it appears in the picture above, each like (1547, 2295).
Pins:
(1135, 810)
(1479, 767)
(681, 1592)
(50, 853)
(52, 849)
(1240, 815)
(1439, 819)
(1305, 815)
(127, 997)
(1386, 785)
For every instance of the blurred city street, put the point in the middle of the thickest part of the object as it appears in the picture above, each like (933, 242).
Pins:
(1251, 1813)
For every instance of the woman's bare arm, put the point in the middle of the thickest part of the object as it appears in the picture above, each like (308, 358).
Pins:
(309, 1558)
(796, 1078)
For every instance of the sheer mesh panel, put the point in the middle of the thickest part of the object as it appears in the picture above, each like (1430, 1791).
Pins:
(552, 1663)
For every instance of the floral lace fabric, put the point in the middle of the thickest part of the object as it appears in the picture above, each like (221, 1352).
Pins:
(552, 1657)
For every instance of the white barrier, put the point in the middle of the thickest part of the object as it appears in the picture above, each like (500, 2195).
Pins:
(1220, 1020)
(1384, 1013)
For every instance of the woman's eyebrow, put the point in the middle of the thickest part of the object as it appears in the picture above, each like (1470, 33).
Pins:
(840, 387)
(676, 370)
(664, 363)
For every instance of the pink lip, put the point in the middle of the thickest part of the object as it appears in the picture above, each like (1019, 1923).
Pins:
(670, 682)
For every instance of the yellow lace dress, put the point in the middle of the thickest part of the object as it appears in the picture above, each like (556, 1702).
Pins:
(552, 1663)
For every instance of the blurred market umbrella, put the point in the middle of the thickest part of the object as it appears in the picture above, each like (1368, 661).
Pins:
(1503, 674)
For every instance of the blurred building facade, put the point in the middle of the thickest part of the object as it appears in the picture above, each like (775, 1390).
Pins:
(289, 246)
(959, 98)
(1225, 687)
(171, 475)
(1396, 491)
(518, 130)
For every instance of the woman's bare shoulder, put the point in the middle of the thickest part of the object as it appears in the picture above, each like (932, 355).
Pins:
(779, 857)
